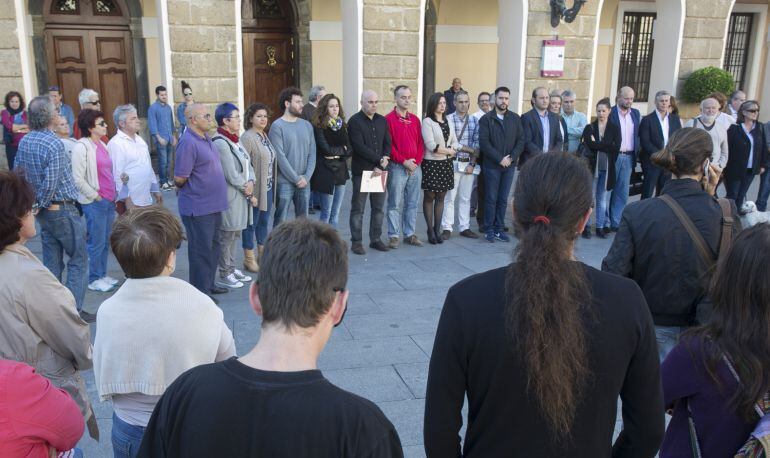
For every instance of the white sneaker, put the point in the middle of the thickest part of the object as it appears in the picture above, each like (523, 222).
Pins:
(171, 184)
(165, 187)
(229, 282)
(240, 276)
(100, 286)
(110, 281)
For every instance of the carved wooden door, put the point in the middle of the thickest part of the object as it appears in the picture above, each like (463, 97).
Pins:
(268, 67)
(96, 59)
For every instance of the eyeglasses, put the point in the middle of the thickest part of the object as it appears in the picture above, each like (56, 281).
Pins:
(188, 93)
(234, 117)
(206, 116)
(752, 111)
(96, 102)
(103, 124)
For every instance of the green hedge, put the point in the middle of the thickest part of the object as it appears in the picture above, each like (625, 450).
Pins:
(704, 81)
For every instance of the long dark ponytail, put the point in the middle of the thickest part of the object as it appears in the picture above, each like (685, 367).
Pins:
(547, 291)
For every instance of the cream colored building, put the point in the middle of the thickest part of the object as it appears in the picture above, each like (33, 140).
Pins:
(245, 51)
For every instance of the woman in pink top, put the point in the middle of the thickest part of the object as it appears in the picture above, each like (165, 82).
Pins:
(36, 418)
(92, 171)
(14, 120)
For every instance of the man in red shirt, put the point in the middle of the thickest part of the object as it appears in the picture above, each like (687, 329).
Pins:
(404, 173)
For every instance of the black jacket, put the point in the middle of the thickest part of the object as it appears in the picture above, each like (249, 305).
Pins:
(609, 144)
(370, 139)
(499, 138)
(655, 250)
(329, 173)
(449, 96)
(739, 146)
(651, 133)
(533, 134)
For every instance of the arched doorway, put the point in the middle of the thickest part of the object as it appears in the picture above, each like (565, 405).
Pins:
(88, 43)
(270, 50)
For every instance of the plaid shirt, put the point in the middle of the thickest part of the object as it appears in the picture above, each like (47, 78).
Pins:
(47, 167)
(471, 135)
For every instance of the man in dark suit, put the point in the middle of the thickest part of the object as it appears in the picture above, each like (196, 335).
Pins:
(542, 129)
(654, 132)
(628, 119)
(501, 141)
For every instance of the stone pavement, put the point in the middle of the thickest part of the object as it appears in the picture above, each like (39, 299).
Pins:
(381, 350)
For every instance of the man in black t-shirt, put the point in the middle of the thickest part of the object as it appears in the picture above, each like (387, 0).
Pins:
(274, 402)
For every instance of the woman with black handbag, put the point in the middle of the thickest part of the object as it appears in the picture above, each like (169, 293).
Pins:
(332, 151)
(600, 146)
(716, 380)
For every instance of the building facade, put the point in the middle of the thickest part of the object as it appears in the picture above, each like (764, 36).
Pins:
(247, 50)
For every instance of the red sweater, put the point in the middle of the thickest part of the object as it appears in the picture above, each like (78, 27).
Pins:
(406, 136)
(34, 414)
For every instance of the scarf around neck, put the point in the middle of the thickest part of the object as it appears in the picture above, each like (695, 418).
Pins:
(232, 137)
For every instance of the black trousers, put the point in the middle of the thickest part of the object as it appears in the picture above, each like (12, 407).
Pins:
(480, 205)
(654, 178)
(203, 249)
(357, 208)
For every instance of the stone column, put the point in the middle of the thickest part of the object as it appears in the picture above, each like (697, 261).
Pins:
(391, 39)
(203, 49)
(10, 57)
(703, 42)
(579, 52)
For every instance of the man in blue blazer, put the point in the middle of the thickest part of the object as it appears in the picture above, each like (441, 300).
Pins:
(628, 119)
(654, 131)
(542, 132)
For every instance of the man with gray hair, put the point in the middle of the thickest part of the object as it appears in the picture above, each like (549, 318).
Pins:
(48, 169)
(576, 121)
(707, 120)
(135, 180)
(736, 100)
(654, 132)
(317, 92)
(89, 100)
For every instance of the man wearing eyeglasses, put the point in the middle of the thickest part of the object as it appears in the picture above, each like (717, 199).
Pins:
(273, 401)
(88, 100)
(202, 198)
(160, 121)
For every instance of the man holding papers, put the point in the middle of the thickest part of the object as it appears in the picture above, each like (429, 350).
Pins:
(370, 138)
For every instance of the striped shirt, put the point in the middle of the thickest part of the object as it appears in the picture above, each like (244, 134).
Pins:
(48, 167)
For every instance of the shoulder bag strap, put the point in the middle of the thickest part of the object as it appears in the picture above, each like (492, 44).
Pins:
(697, 238)
(465, 124)
(726, 239)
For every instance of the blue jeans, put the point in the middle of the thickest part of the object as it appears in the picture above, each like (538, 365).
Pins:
(99, 218)
(764, 191)
(288, 194)
(126, 438)
(164, 154)
(497, 187)
(737, 189)
(331, 204)
(667, 337)
(259, 227)
(403, 195)
(624, 165)
(602, 219)
(64, 231)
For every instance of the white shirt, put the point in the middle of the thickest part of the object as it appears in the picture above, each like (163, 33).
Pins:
(478, 114)
(68, 144)
(750, 164)
(725, 120)
(664, 127)
(132, 157)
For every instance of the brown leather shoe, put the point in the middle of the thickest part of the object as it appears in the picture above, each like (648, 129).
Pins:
(469, 233)
(413, 240)
(379, 246)
(393, 243)
(445, 234)
(357, 248)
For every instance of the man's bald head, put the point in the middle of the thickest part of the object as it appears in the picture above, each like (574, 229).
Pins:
(625, 97)
(369, 101)
(198, 117)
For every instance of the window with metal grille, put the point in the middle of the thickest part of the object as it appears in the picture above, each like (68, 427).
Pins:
(636, 47)
(737, 46)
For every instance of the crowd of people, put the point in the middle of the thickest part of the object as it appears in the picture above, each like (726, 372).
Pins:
(542, 349)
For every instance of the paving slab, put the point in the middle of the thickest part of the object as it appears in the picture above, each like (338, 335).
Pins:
(389, 387)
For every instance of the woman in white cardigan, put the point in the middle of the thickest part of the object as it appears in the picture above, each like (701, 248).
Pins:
(437, 166)
(92, 171)
(154, 328)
